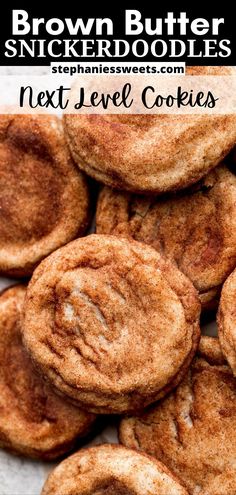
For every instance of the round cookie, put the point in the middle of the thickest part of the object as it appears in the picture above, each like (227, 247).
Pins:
(196, 229)
(33, 421)
(227, 320)
(193, 430)
(111, 323)
(111, 470)
(44, 199)
(151, 153)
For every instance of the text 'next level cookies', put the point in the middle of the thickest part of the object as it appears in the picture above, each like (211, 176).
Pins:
(99, 298)
(151, 153)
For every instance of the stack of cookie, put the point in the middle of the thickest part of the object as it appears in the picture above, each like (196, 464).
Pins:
(109, 323)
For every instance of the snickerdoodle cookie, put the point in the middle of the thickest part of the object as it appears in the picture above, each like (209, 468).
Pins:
(44, 199)
(111, 323)
(33, 420)
(151, 153)
(111, 470)
(196, 229)
(227, 320)
(193, 430)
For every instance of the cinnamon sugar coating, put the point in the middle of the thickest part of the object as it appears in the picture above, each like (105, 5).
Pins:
(111, 470)
(44, 200)
(196, 229)
(192, 430)
(34, 421)
(111, 323)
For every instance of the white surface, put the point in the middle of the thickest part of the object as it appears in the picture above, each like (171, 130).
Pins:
(20, 476)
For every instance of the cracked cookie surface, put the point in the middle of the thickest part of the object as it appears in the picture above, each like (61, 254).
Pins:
(34, 421)
(44, 200)
(196, 229)
(151, 153)
(227, 320)
(192, 430)
(111, 470)
(111, 323)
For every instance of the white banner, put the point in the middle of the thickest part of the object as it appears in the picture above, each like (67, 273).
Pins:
(119, 94)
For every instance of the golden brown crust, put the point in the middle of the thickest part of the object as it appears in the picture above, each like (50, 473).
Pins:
(196, 229)
(209, 349)
(33, 421)
(111, 470)
(227, 320)
(90, 302)
(44, 200)
(151, 153)
(200, 70)
(193, 430)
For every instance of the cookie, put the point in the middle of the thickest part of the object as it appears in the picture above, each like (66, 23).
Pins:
(227, 320)
(196, 229)
(111, 323)
(33, 421)
(151, 153)
(111, 470)
(44, 201)
(193, 430)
